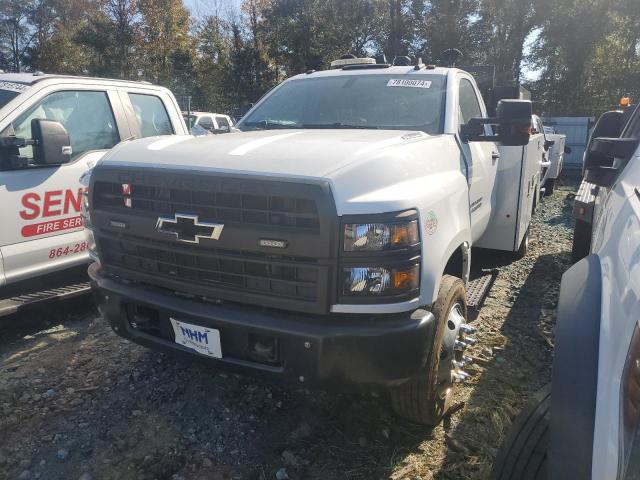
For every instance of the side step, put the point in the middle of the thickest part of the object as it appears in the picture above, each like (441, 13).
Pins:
(478, 288)
(18, 303)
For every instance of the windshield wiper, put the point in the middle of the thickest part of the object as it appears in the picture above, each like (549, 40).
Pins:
(268, 124)
(338, 125)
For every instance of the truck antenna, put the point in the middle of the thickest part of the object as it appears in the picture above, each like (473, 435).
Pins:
(450, 57)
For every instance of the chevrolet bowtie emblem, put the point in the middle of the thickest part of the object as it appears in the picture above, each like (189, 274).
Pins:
(187, 228)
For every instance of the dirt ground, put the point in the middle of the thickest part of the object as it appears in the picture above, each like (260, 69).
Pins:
(78, 402)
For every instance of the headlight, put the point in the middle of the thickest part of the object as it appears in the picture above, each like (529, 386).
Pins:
(380, 281)
(371, 237)
(380, 258)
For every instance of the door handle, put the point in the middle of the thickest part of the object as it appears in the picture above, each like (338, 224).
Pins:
(495, 156)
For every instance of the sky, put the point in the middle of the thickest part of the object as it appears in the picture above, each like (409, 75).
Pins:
(208, 7)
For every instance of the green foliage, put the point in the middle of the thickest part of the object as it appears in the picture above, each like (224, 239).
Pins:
(586, 53)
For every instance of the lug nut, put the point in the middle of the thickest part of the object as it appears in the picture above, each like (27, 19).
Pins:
(460, 345)
(461, 363)
(459, 376)
(466, 328)
(470, 341)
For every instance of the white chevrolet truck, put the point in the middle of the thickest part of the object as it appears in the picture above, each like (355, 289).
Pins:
(40, 190)
(328, 241)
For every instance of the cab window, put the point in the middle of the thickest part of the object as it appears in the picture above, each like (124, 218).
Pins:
(223, 124)
(206, 122)
(87, 116)
(151, 115)
(468, 102)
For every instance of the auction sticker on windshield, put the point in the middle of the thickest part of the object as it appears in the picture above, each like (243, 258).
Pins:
(401, 82)
(201, 339)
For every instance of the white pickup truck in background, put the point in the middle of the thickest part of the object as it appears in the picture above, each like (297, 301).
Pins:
(329, 240)
(42, 229)
(201, 123)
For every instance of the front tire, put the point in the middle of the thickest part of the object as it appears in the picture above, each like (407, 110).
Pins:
(426, 397)
(549, 186)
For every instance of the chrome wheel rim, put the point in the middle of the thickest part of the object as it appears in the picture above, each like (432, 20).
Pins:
(452, 350)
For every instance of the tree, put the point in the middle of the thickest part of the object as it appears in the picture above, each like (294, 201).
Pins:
(449, 24)
(500, 33)
(570, 32)
(16, 33)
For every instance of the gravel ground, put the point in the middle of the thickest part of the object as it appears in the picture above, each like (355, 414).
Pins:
(78, 402)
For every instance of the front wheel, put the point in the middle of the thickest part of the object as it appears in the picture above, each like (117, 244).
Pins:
(426, 397)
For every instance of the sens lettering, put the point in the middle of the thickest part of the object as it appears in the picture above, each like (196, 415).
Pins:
(51, 204)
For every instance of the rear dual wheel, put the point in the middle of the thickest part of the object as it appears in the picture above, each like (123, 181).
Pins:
(426, 397)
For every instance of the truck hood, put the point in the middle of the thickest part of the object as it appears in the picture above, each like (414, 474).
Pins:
(309, 153)
(354, 162)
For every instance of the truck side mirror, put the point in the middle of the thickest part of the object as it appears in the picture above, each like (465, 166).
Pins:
(513, 125)
(514, 122)
(51, 142)
(609, 124)
(612, 155)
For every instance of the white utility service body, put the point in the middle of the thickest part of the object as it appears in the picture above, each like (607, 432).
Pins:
(42, 227)
(334, 229)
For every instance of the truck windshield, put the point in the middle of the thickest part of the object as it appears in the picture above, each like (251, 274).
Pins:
(6, 96)
(390, 102)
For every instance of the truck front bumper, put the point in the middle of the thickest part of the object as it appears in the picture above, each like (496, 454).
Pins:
(343, 349)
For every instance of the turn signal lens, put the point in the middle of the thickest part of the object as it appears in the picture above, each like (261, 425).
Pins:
(380, 281)
(362, 237)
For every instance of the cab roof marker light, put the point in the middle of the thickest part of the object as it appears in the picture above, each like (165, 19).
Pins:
(343, 62)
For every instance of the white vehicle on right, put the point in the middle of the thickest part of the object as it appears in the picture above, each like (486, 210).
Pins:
(586, 425)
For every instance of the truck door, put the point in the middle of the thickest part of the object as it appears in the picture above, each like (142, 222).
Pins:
(481, 159)
(40, 215)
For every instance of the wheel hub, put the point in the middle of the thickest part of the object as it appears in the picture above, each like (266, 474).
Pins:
(454, 342)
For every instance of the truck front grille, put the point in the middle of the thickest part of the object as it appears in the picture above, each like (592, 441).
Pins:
(242, 264)
(295, 278)
(222, 206)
